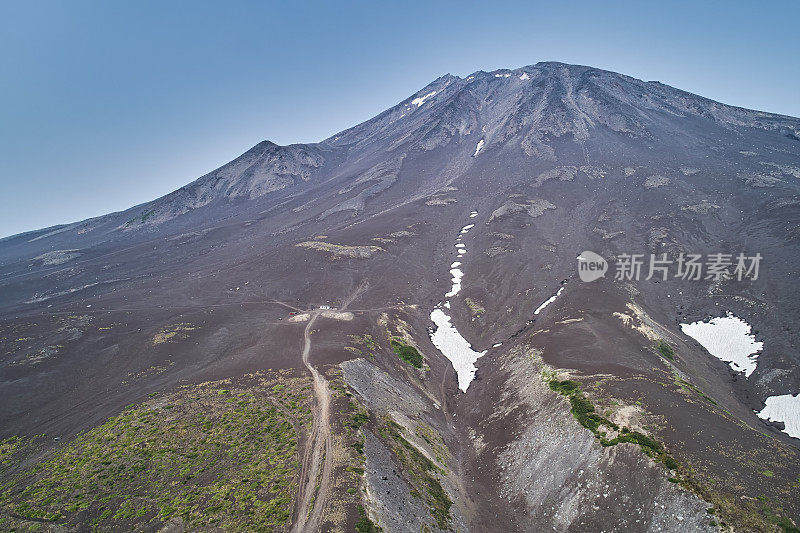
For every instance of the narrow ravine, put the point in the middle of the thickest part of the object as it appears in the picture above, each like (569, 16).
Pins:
(446, 337)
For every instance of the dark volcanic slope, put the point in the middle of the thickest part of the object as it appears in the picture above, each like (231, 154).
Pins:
(556, 159)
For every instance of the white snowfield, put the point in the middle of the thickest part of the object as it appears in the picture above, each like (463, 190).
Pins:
(727, 338)
(456, 348)
(524, 76)
(784, 408)
(478, 148)
(446, 337)
(457, 275)
(548, 301)
(421, 99)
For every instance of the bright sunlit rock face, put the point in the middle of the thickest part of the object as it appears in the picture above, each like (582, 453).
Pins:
(784, 408)
(727, 338)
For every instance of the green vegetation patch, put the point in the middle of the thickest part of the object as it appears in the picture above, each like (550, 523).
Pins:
(743, 514)
(584, 412)
(364, 524)
(435, 441)
(142, 218)
(421, 473)
(10, 450)
(173, 332)
(689, 388)
(358, 416)
(475, 308)
(407, 353)
(776, 516)
(207, 459)
(582, 407)
(665, 350)
(365, 339)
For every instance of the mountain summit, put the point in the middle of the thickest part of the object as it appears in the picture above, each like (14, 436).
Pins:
(389, 328)
(537, 111)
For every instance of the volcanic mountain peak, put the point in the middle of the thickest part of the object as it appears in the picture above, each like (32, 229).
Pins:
(530, 106)
(405, 295)
(263, 169)
(543, 113)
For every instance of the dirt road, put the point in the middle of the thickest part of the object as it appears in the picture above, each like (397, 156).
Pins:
(315, 477)
(316, 471)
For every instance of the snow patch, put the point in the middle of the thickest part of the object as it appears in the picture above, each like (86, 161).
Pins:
(524, 76)
(421, 99)
(478, 148)
(449, 341)
(457, 274)
(548, 301)
(446, 337)
(784, 408)
(727, 338)
(502, 75)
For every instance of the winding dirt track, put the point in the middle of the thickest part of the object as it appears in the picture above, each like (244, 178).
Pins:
(315, 476)
(314, 489)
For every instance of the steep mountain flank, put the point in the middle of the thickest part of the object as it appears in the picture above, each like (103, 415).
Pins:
(401, 304)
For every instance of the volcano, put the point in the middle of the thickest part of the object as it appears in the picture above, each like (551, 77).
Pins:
(390, 328)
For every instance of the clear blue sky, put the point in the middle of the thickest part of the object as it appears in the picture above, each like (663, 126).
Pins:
(109, 104)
